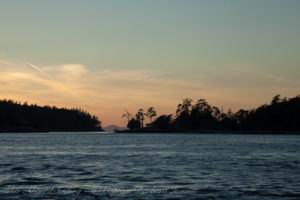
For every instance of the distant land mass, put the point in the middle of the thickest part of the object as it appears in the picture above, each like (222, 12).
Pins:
(17, 117)
(282, 115)
(112, 128)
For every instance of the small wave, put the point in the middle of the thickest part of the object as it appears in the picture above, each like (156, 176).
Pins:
(30, 181)
(182, 183)
(5, 165)
(18, 169)
(288, 195)
(86, 173)
(86, 179)
(61, 168)
(134, 179)
(47, 166)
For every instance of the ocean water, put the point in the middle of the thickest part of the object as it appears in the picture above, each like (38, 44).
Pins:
(149, 166)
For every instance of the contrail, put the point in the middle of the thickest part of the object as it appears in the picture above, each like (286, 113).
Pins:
(35, 67)
(39, 70)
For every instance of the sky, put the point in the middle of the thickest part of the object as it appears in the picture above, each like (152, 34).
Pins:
(110, 56)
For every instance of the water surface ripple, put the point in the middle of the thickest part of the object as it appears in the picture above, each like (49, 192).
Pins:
(149, 166)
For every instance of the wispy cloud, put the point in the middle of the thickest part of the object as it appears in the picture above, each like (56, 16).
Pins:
(246, 68)
(6, 63)
(39, 70)
(104, 92)
(266, 74)
(107, 93)
(281, 79)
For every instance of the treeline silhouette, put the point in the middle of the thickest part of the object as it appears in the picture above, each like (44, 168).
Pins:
(17, 117)
(281, 114)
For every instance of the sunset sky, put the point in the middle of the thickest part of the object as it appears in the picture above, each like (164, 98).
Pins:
(108, 56)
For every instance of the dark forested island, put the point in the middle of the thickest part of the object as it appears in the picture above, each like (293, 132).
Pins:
(281, 115)
(17, 117)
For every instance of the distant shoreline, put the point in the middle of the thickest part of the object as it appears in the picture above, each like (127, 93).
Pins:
(50, 132)
(211, 132)
(166, 132)
(18, 117)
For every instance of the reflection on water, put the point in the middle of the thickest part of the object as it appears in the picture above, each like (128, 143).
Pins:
(157, 166)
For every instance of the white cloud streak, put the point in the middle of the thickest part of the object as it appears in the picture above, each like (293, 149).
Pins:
(107, 93)
(39, 70)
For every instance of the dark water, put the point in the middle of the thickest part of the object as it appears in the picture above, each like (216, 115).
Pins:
(149, 166)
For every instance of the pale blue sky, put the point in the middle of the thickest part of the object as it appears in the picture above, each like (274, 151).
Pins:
(153, 34)
(235, 44)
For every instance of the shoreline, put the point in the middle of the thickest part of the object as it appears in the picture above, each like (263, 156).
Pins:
(210, 132)
(152, 131)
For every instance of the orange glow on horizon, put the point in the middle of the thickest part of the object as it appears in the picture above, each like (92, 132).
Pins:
(107, 93)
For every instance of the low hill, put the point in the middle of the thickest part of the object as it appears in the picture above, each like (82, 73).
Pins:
(17, 117)
(111, 128)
